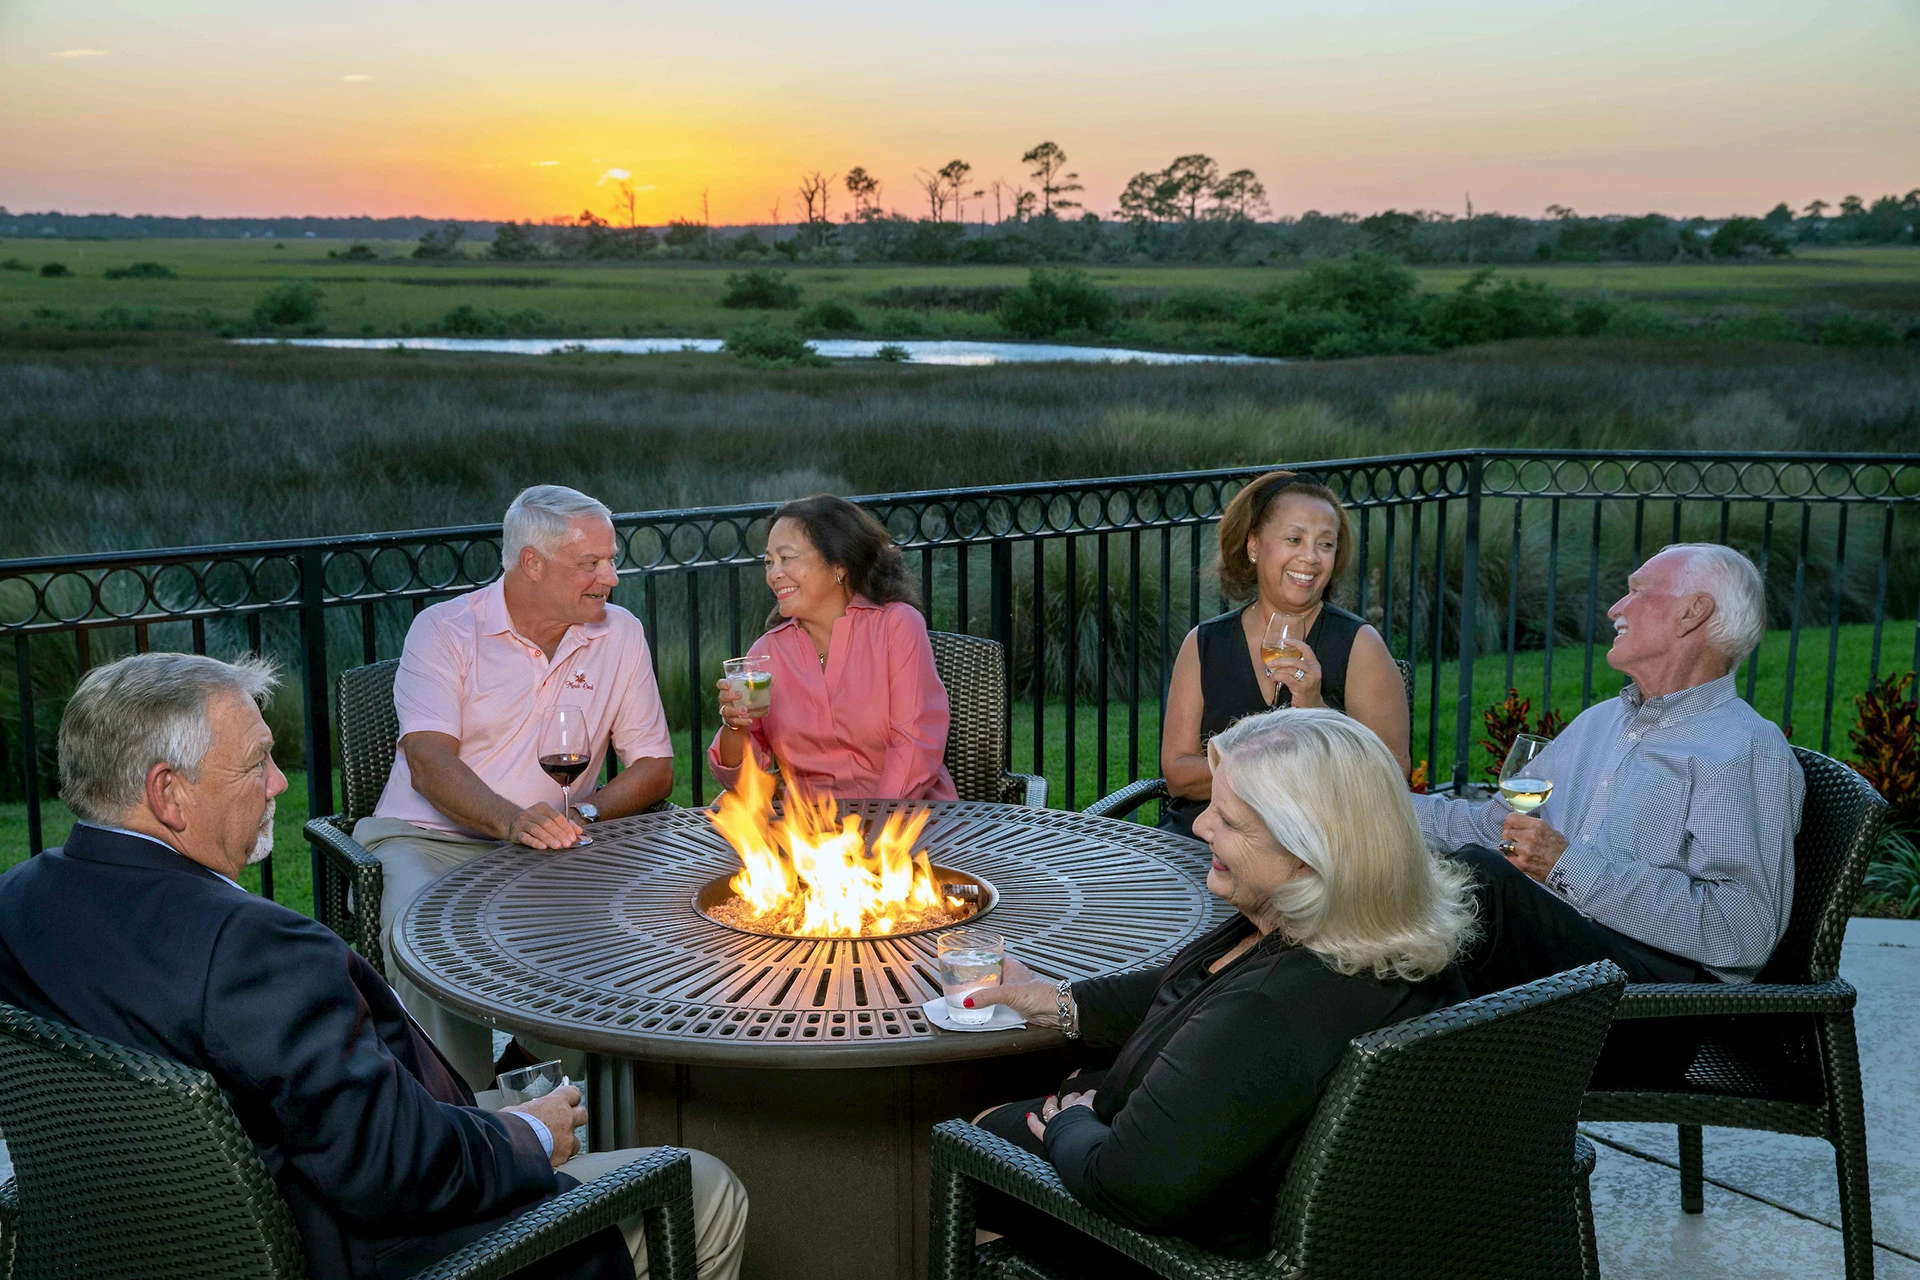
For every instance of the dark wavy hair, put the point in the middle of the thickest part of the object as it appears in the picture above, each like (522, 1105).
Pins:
(851, 540)
(1248, 512)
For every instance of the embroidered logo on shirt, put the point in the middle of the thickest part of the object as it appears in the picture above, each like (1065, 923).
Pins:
(578, 680)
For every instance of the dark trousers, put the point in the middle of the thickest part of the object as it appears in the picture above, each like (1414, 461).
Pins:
(1527, 932)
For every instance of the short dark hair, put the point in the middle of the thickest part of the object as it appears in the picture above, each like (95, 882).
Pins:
(1249, 510)
(851, 540)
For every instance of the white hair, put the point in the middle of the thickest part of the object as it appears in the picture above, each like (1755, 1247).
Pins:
(539, 518)
(1331, 794)
(141, 711)
(1739, 618)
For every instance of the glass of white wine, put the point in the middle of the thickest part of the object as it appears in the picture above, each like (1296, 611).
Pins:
(1522, 784)
(1277, 642)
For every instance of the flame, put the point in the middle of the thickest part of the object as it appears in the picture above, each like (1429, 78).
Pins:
(811, 875)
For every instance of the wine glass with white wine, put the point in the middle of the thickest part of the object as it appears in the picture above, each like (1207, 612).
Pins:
(1277, 642)
(1522, 783)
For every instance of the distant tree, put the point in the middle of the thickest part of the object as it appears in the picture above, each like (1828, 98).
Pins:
(685, 236)
(1189, 180)
(953, 175)
(1780, 215)
(1023, 202)
(1391, 232)
(1559, 211)
(816, 192)
(626, 203)
(441, 242)
(1817, 208)
(1049, 170)
(1148, 197)
(865, 190)
(1239, 196)
(513, 243)
(1852, 207)
(1746, 237)
(935, 188)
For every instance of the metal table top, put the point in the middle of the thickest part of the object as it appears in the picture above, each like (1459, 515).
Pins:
(601, 948)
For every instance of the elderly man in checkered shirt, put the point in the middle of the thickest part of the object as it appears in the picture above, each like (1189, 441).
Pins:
(1667, 845)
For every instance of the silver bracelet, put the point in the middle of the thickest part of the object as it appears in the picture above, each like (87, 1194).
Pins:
(1069, 1011)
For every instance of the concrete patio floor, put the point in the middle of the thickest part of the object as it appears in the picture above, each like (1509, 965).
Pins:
(1772, 1201)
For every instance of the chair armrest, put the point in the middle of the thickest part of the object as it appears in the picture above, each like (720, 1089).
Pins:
(1696, 999)
(660, 1185)
(1584, 1157)
(9, 1224)
(347, 865)
(967, 1151)
(1128, 798)
(660, 806)
(1029, 789)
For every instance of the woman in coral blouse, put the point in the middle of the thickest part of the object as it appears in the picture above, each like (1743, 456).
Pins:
(857, 707)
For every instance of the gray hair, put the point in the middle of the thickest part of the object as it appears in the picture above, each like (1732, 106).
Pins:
(1739, 618)
(141, 711)
(1331, 794)
(539, 517)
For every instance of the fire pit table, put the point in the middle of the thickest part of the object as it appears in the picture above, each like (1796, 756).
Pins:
(808, 1065)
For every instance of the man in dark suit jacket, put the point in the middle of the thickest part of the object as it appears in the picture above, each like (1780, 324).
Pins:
(136, 931)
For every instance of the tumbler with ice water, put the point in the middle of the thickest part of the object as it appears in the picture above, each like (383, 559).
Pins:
(538, 1081)
(970, 959)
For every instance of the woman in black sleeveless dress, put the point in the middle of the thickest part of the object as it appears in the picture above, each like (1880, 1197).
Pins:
(1284, 543)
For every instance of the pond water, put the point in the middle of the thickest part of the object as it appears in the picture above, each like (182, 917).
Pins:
(919, 351)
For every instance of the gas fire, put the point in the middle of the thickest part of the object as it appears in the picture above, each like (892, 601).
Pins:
(810, 874)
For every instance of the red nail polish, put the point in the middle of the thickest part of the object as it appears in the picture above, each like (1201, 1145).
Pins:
(967, 1003)
(1029, 1115)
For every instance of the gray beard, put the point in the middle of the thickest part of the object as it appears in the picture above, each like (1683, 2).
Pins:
(263, 846)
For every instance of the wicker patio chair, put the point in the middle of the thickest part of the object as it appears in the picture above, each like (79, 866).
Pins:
(131, 1165)
(974, 671)
(1444, 1146)
(1780, 1054)
(1122, 803)
(347, 879)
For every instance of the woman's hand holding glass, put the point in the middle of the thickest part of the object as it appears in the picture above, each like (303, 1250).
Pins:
(1301, 675)
(733, 706)
(1033, 998)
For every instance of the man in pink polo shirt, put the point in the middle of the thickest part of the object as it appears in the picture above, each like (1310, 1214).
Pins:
(478, 680)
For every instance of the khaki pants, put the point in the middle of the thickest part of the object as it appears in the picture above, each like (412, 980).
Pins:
(411, 858)
(719, 1206)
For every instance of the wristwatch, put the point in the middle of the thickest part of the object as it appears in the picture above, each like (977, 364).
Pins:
(588, 814)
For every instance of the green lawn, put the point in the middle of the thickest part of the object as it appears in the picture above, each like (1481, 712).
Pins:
(292, 884)
(219, 281)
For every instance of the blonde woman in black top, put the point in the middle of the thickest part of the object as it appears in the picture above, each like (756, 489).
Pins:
(1285, 543)
(1345, 924)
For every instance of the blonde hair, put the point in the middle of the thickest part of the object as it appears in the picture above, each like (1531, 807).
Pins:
(1331, 794)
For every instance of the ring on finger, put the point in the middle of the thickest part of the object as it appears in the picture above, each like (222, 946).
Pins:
(1299, 673)
(1508, 847)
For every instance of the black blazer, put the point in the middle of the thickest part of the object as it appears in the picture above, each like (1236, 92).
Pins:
(1196, 1121)
(370, 1134)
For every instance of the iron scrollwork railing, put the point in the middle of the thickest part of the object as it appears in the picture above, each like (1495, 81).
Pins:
(1089, 585)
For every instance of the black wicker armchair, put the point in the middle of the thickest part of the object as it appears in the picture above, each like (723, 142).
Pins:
(1444, 1146)
(974, 671)
(1122, 803)
(131, 1165)
(1780, 1053)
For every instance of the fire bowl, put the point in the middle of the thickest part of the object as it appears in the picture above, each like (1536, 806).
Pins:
(985, 898)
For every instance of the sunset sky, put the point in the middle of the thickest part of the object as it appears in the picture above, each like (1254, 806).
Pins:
(493, 110)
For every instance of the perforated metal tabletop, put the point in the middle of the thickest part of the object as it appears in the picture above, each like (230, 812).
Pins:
(602, 948)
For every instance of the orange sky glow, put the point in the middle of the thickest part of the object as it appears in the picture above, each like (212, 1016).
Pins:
(489, 110)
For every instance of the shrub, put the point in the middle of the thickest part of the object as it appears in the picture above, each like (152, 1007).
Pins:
(141, 271)
(14, 264)
(1293, 333)
(1893, 877)
(1058, 300)
(829, 316)
(1335, 308)
(893, 353)
(54, 269)
(470, 321)
(1855, 329)
(355, 253)
(1746, 237)
(1592, 313)
(442, 242)
(761, 288)
(977, 299)
(1201, 305)
(1886, 745)
(1508, 721)
(1481, 310)
(289, 305)
(769, 346)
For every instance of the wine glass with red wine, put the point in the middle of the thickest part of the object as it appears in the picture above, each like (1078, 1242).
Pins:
(564, 754)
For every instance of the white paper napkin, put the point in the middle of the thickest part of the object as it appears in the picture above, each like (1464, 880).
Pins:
(1003, 1019)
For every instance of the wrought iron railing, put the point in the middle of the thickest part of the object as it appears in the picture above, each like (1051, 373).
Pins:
(1088, 584)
